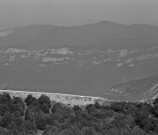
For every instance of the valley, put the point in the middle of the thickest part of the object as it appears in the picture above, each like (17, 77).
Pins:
(83, 60)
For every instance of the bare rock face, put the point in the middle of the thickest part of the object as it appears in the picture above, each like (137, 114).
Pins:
(66, 99)
(145, 89)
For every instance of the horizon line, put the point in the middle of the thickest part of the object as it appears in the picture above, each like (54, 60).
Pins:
(101, 21)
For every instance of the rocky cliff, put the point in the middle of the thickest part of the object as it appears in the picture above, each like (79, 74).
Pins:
(145, 89)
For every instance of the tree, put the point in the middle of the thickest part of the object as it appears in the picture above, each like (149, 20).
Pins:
(89, 131)
(18, 105)
(53, 130)
(146, 125)
(55, 107)
(4, 108)
(30, 99)
(118, 106)
(97, 105)
(45, 103)
(30, 125)
(31, 112)
(90, 108)
(41, 122)
(5, 98)
(6, 119)
(138, 131)
(155, 101)
(77, 108)
(4, 131)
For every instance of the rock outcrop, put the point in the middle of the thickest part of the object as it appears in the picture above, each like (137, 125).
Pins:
(66, 99)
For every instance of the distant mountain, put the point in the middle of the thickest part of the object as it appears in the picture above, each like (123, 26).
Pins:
(136, 90)
(102, 34)
(82, 60)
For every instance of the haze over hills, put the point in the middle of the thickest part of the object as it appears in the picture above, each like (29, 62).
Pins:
(82, 60)
(103, 34)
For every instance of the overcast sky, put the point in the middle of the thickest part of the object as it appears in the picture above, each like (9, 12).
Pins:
(76, 12)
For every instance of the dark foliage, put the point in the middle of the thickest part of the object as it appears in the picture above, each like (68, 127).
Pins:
(40, 122)
(77, 108)
(30, 99)
(55, 107)
(119, 118)
(44, 103)
(18, 105)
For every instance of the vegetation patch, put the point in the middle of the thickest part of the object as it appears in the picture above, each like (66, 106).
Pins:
(33, 116)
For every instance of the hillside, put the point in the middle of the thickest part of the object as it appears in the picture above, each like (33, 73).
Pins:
(37, 114)
(79, 60)
(144, 89)
(66, 99)
(102, 34)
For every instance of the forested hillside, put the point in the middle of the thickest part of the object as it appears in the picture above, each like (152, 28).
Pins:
(42, 116)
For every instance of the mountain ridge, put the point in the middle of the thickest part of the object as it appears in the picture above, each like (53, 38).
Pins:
(82, 60)
(101, 33)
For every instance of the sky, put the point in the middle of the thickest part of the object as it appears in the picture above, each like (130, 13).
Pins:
(77, 12)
